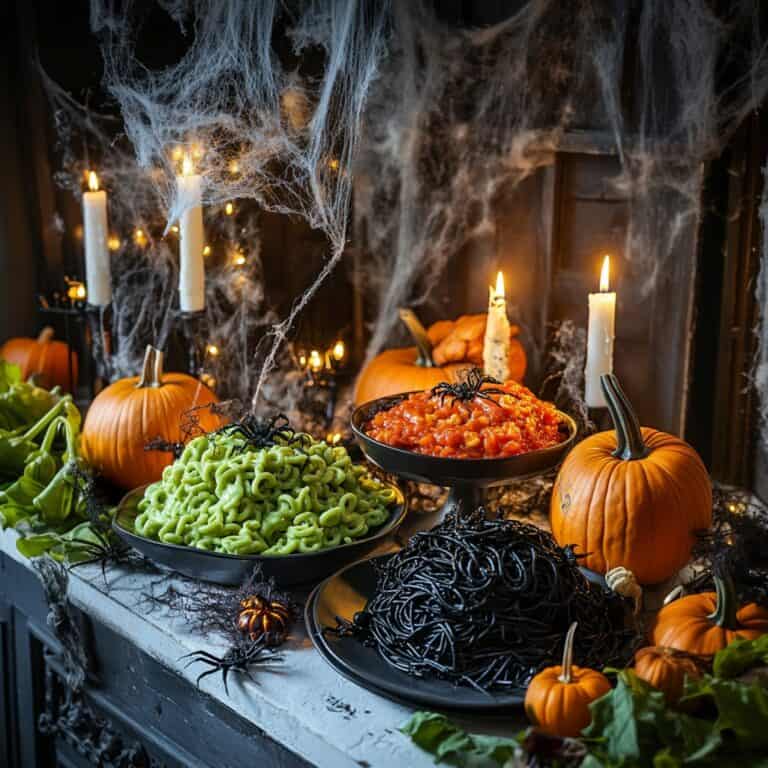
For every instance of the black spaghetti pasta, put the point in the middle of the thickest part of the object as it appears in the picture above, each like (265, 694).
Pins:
(487, 603)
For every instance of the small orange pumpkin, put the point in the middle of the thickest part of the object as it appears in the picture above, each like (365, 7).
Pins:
(632, 497)
(44, 358)
(558, 698)
(706, 623)
(131, 412)
(666, 669)
(441, 353)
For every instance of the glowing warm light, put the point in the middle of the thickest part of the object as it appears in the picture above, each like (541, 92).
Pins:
(177, 153)
(76, 291)
(186, 166)
(334, 438)
(79, 232)
(316, 360)
(212, 350)
(207, 250)
(499, 285)
(333, 164)
(197, 151)
(208, 380)
(114, 243)
(303, 360)
(139, 237)
(93, 182)
(238, 259)
(175, 229)
(229, 209)
(338, 350)
(605, 272)
(234, 167)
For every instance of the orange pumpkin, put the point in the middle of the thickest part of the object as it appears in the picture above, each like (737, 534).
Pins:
(441, 353)
(632, 497)
(705, 623)
(131, 412)
(45, 359)
(666, 669)
(558, 698)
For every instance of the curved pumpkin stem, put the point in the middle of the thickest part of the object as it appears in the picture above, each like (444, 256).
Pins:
(152, 369)
(46, 335)
(420, 338)
(724, 615)
(567, 665)
(629, 437)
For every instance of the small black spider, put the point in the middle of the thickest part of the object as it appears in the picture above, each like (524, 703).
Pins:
(468, 389)
(238, 660)
(158, 444)
(261, 433)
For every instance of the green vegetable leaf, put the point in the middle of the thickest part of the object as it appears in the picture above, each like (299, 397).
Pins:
(437, 735)
(740, 655)
(35, 546)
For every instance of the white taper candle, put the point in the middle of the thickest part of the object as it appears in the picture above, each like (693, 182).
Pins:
(98, 275)
(600, 335)
(191, 239)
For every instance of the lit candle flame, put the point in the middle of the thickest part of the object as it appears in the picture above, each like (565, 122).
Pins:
(605, 275)
(315, 360)
(500, 285)
(212, 350)
(338, 351)
(186, 166)
(76, 291)
(93, 182)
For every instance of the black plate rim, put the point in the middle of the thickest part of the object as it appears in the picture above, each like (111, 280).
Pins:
(390, 526)
(496, 702)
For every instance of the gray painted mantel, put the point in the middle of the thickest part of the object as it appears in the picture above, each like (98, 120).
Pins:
(290, 704)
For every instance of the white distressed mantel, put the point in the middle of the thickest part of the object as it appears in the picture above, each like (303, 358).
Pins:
(291, 703)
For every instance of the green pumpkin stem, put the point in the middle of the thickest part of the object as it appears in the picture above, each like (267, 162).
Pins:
(567, 665)
(724, 615)
(420, 338)
(629, 437)
(152, 369)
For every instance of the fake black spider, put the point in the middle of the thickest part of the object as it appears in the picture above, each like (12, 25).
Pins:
(238, 660)
(468, 389)
(103, 551)
(158, 444)
(261, 433)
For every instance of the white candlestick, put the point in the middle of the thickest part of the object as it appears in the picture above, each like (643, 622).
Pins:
(98, 276)
(602, 319)
(496, 341)
(191, 237)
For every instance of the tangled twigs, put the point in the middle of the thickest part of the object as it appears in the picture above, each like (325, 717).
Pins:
(486, 603)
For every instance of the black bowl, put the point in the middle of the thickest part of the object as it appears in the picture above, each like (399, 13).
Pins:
(344, 594)
(221, 568)
(454, 472)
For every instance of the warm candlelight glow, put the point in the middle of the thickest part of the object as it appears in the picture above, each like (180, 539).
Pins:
(334, 438)
(234, 167)
(139, 237)
(303, 360)
(315, 360)
(207, 250)
(605, 275)
(76, 291)
(114, 243)
(238, 258)
(175, 229)
(338, 351)
(229, 209)
(212, 350)
(93, 182)
(186, 166)
(500, 285)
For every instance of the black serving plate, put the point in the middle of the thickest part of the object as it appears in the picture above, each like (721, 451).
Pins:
(466, 477)
(287, 570)
(344, 594)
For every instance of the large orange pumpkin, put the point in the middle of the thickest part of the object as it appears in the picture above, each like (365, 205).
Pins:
(706, 623)
(558, 698)
(44, 358)
(442, 353)
(666, 670)
(128, 414)
(631, 497)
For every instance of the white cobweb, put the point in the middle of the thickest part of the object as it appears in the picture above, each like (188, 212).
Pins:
(428, 120)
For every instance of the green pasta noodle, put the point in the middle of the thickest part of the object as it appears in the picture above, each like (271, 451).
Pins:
(222, 495)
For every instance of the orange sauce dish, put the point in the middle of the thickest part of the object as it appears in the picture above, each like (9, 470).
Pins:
(505, 420)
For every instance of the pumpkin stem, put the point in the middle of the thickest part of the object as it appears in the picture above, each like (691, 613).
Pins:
(420, 337)
(724, 615)
(45, 335)
(152, 369)
(567, 665)
(629, 437)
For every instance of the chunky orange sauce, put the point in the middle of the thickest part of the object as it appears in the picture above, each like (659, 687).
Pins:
(507, 424)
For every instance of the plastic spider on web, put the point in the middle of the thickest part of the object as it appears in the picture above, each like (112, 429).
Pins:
(472, 386)
(261, 433)
(237, 660)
